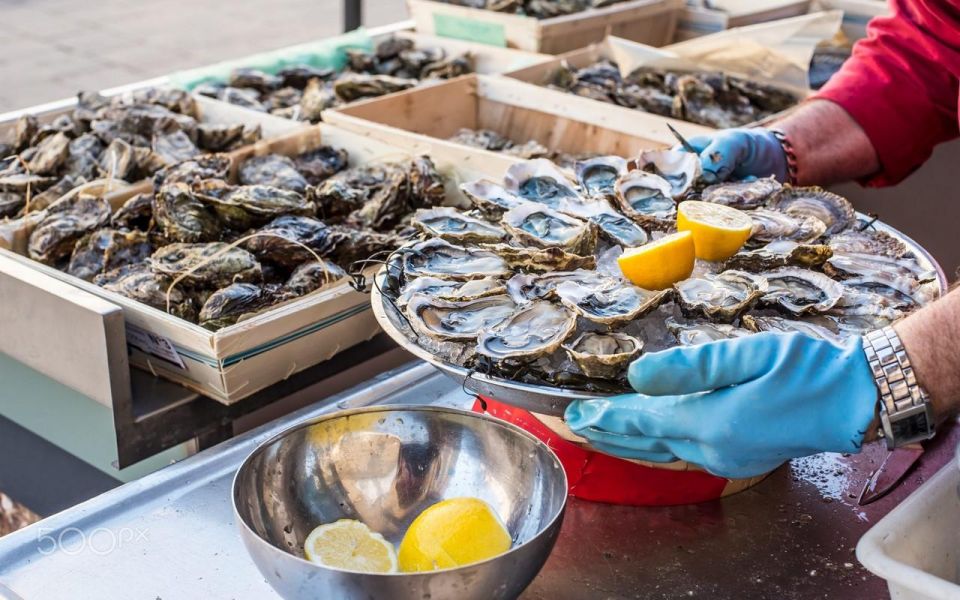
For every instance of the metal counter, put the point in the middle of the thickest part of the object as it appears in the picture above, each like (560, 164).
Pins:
(171, 536)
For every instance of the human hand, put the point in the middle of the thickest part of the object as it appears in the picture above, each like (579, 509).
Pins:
(740, 153)
(738, 407)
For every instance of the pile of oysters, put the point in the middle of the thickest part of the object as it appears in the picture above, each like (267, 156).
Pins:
(540, 9)
(302, 92)
(300, 221)
(127, 137)
(709, 98)
(487, 139)
(525, 285)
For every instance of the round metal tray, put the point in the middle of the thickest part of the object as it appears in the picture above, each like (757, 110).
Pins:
(541, 398)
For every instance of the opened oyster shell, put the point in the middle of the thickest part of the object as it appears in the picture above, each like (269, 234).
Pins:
(779, 324)
(542, 227)
(490, 198)
(455, 226)
(611, 304)
(773, 225)
(620, 230)
(541, 181)
(679, 168)
(525, 287)
(440, 259)
(462, 321)
(779, 254)
(834, 211)
(603, 355)
(720, 297)
(541, 259)
(213, 265)
(701, 332)
(745, 195)
(904, 274)
(533, 331)
(645, 197)
(801, 291)
(868, 241)
(597, 176)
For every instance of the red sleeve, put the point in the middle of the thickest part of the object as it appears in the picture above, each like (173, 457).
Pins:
(900, 85)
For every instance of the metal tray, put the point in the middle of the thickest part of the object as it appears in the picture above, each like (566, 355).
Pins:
(544, 399)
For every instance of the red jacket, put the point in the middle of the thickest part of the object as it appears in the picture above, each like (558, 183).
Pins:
(901, 84)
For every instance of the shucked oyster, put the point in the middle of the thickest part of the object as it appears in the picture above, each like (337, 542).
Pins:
(681, 169)
(904, 274)
(539, 226)
(454, 226)
(597, 176)
(531, 332)
(454, 291)
(773, 225)
(834, 211)
(720, 297)
(541, 259)
(745, 195)
(620, 230)
(779, 254)
(609, 304)
(66, 221)
(207, 265)
(603, 355)
(801, 291)
(539, 180)
(490, 198)
(758, 324)
(645, 197)
(701, 332)
(443, 260)
(525, 287)
(444, 319)
(867, 241)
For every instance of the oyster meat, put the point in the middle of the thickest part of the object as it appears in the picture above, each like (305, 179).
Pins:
(721, 297)
(779, 324)
(455, 226)
(541, 259)
(620, 230)
(679, 168)
(610, 304)
(525, 287)
(744, 195)
(904, 274)
(597, 176)
(834, 211)
(647, 198)
(490, 198)
(801, 291)
(213, 265)
(531, 332)
(541, 181)
(603, 355)
(440, 259)
(778, 254)
(701, 332)
(456, 320)
(541, 227)
(773, 225)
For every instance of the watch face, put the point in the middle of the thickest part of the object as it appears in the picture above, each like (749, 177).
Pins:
(912, 425)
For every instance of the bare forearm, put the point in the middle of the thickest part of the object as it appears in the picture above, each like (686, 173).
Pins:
(830, 146)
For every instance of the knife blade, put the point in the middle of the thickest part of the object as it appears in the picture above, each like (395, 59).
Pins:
(891, 471)
(683, 141)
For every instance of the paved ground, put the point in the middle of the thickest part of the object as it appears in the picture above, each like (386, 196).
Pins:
(50, 49)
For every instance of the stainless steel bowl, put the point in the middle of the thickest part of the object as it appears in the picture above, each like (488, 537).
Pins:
(383, 466)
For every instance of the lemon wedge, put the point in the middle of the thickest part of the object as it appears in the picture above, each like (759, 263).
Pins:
(718, 231)
(453, 533)
(659, 264)
(350, 545)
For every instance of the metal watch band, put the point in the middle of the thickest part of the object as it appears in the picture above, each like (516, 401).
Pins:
(788, 152)
(906, 415)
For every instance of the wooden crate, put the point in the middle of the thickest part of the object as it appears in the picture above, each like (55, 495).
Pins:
(561, 122)
(649, 21)
(695, 21)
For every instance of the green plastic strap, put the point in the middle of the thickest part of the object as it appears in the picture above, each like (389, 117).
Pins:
(472, 30)
(329, 53)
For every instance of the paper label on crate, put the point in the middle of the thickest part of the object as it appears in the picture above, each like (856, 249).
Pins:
(154, 345)
(468, 29)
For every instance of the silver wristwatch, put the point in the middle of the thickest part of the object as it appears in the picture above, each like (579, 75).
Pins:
(906, 415)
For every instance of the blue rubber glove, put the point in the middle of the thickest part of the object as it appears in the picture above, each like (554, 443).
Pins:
(740, 153)
(738, 407)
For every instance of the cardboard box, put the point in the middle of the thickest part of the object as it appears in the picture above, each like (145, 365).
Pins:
(649, 21)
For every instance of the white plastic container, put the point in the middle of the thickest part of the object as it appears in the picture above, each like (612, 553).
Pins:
(916, 547)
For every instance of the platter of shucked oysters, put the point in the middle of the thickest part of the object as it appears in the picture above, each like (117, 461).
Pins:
(520, 297)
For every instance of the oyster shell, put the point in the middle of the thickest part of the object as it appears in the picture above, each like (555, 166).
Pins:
(134, 214)
(280, 242)
(490, 198)
(354, 87)
(903, 274)
(11, 203)
(779, 324)
(140, 283)
(455, 226)
(272, 170)
(541, 259)
(533, 331)
(66, 222)
(440, 259)
(454, 291)
(701, 332)
(107, 249)
(646, 198)
(462, 321)
(181, 216)
(211, 166)
(312, 275)
(778, 254)
(541, 181)
(321, 163)
(609, 304)
(246, 206)
(801, 291)
(679, 168)
(773, 225)
(834, 211)
(745, 195)
(525, 287)
(872, 291)
(720, 297)
(868, 241)
(539, 226)
(603, 355)
(620, 230)
(213, 265)
(50, 155)
(597, 176)
(237, 302)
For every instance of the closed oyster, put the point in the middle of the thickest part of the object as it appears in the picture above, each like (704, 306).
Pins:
(720, 297)
(783, 253)
(541, 259)
(778, 324)
(215, 137)
(440, 259)
(541, 181)
(321, 163)
(525, 287)
(210, 166)
(490, 198)
(701, 332)
(603, 355)
(247, 206)
(51, 154)
(118, 161)
(620, 230)
(140, 283)
(745, 195)
(237, 302)
(834, 211)
(107, 249)
(597, 176)
(773, 225)
(135, 213)
(611, 304)
(450, 320)
(66, 222)
(679, 168)
(312, 275)
(181, 216)
(272, 170)
(354, 87)
(282, 242)
(801, 291)
(213, 265)
(532, 332)
(11, 203)
(455, 226)
(867, 241)
(539, 226)
(646, 198)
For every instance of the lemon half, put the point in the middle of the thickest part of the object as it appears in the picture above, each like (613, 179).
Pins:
(659, 264)
(453, 533)
(718, 231)
(350, 545)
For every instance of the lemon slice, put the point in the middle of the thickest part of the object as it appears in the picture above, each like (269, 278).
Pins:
(659, 264)
(718, 231)
(350, 545)
(453, 533)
